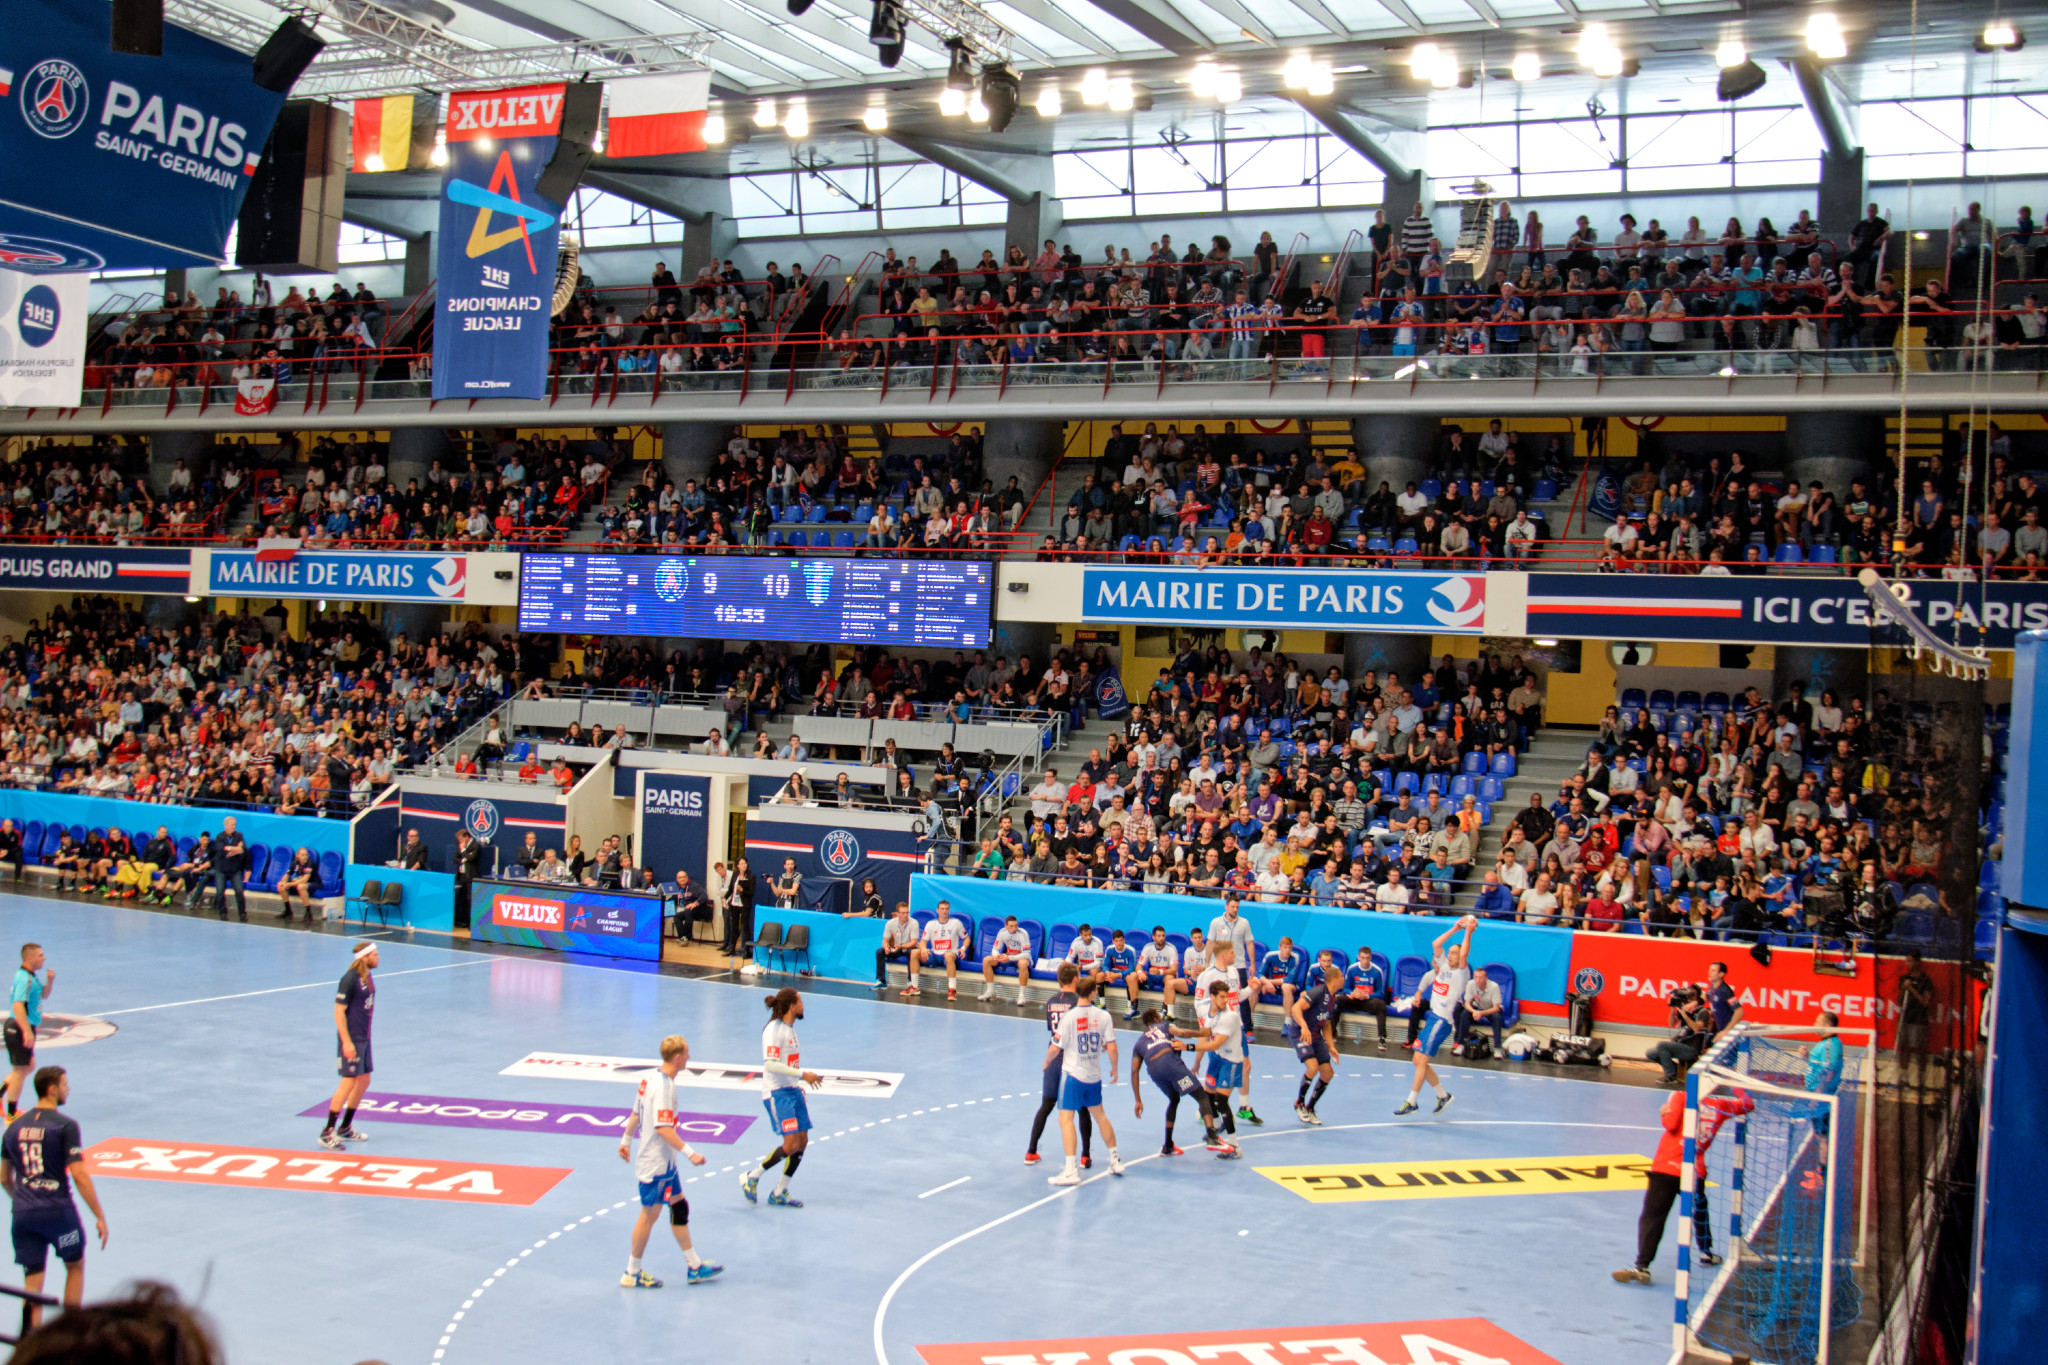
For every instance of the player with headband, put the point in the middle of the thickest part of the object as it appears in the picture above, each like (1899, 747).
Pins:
(783, 1098)
(355, 999)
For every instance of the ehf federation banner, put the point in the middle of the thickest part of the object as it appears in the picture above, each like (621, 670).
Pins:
(495, 282)
(42, 339)
(109, 160)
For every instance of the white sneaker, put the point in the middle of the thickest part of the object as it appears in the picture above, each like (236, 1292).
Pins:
(988, 994)
(1022, 998)
(1067, 1177)
(1116, 1164)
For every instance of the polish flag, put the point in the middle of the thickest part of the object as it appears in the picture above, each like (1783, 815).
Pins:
(276, 549)
(657, 115)
(254, 397)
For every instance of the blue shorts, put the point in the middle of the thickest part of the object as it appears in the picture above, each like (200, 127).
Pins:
(1436, 1031)
(1078, 1095)
(665, 1188)
(360, 1066)
(787, 1111)
(38, 1230)
(1223, 1075)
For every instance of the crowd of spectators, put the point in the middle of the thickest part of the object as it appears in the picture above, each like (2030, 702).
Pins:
(190, 342)
(100, 492)
(230, 710)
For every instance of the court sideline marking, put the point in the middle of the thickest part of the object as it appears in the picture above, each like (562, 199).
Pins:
(275, 990)
(882, 1309)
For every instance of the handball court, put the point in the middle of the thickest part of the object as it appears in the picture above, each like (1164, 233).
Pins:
(486, 1217)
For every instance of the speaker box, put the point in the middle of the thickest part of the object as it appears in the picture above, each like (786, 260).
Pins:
(138, 27)
(285, 55)
(291, 220)
(581, 103)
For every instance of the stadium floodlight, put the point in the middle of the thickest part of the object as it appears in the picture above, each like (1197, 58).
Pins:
(2000, 36)
(1526, 67)
(875, 119)
(764, 114)
(977, 108)
(1737, 81)
(796, 121)
(1048, 104)
(797, 7)
(1202, 80)
(1094, 86)
(1120, 97)
(959, 64)
(952, 102)
(1295, 72)
(887, 31)
(1229, 86)
(1824, 37)
(1422, 60)
(714, 127)
(1000, 88)
(1321, 80)
(1730, 53)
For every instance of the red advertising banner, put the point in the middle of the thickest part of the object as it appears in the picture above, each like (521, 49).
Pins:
(1629, 977)
(1448, 1341)
(196, 1163)
(528, 111)
(525, 912)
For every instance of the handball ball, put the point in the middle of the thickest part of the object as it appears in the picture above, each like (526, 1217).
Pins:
(1520, 1046)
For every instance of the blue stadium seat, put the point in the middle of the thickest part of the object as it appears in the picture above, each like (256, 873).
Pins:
(1545, 491)
(1432, 782)
(1378, 545)
(1822, 554)
(863, 512)
(797, 540)
(1056, 946)
(1406, 546)
(1406, 782)
(1431, 489)
(520, 751)
(1503, 765)
(1503, 976)
(1492, 789)
(1464, 785)
(1989, 875)
(1715, 703)
(259, 863)
(817, 515)
(1408, 974)
(1687, 701)
(1661, 701)
(280, 863)
(32, 841)
(1681, 722)
(331, 879)
(1663, 876)
(1474, 762)
(1987, 938)
(844, 540)
(1634, 697)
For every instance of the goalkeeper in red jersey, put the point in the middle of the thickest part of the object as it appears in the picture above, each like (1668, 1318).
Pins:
(1665, 1174)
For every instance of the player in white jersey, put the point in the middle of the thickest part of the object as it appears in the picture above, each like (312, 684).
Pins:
(1443, 987)
(654, 1121)
(1011, 948)
(1161, 967)
(783, 1097)
(1222, 970)
(1085, 1035)
(945, 940)
(1193, 962)
(1226, 1068)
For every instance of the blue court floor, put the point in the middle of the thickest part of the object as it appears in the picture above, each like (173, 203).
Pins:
(923, 1226)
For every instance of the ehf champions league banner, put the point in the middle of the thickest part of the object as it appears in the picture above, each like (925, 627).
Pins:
(42, 339)
(109, 160)
(495, 281)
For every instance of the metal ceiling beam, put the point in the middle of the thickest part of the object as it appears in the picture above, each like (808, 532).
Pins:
(1173, 33)
(1347, 129)
(1064, 24)
(663, 193)
(1826, 103)
(1244, 19)
(1015, 178)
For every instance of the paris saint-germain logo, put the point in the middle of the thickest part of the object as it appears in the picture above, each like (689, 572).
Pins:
(55, 98)
(839, 851)
(481, 819)
(1588, 981)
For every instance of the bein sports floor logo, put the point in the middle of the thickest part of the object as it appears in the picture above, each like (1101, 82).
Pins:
(481, 819)
(449, 578)
(1458, 602)
(839, 851)
(55, 99)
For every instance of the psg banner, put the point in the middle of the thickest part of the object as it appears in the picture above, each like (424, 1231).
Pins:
(109, 160)
(42, 339)
(675, 826)
(494, 291)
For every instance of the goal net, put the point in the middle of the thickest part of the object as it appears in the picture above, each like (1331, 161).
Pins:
(1778, 1122)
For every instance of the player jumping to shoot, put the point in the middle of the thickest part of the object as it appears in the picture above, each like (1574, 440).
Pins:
(654, 1121)
(1443, 987)
(783, 1098)
(1157, 1049)
(1084, 1037)
(355, 1000)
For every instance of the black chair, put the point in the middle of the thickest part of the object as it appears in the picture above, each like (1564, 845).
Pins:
(393, 897)
(373, 893)
(768, 938)
(798, 940)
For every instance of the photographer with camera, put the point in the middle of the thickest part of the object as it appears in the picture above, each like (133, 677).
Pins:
(1694, 1025)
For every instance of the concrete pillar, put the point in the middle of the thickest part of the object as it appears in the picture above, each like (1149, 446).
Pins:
(1401, 195)
(172, 614)
(1844, 671)
(1024, 450)
(1843, 189)
(1012, 639)
(687, 449)
(1396, 447)
(175, 284)
(418, 621)
(1033, 218)
(413, 452)
(1407, 655)
(1832, 447)
(419, 264)
(703, 244)
(166, 448)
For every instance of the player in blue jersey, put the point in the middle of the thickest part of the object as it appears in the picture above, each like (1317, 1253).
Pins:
(1120, 965)
(355, 1002)
(1365, 991)
(1049, 1097)
(782, 1079)
(1159, 1049)
(1084, 1038)
(1442, 989)
(1312, 1027)
(653, 1121)
(41, 1154)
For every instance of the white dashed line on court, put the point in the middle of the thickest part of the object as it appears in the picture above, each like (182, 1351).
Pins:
(941, 1189)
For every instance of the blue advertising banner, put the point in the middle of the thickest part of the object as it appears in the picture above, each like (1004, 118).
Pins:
(358, 575)
(495, 265)
(1540, 957)
(322, 837)
(68, 568)
(1773, 610)
(1438, 604)
(426, 901)
(571, 919)
(113, 160)
(833, 861)
(675, 825)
